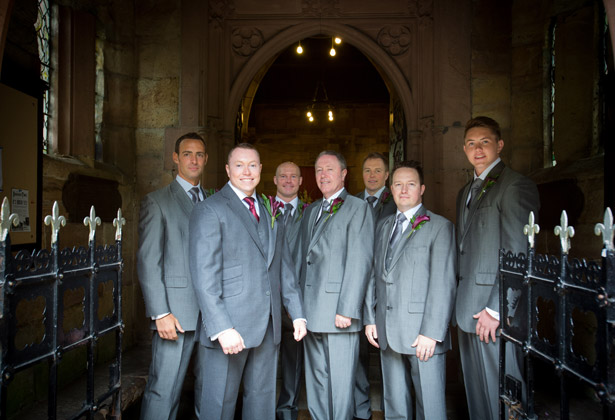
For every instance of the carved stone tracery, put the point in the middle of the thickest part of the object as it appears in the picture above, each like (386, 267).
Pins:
(246, 41)
(394, 39)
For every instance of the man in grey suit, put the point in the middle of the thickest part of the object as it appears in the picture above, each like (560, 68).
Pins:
(491, 213)
(410, 300)
(336, 246)
(288, 180)
(378, 197)
(242, 274)
(164, 273)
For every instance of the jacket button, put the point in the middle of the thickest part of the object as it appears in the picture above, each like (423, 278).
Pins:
(309, 263)
(267, 293)
(389, 308)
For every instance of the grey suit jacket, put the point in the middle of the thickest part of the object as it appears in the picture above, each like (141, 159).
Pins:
(385, 206)
(416, 294)
(495, 220)
(162, 258)
(336, 259)
(241, 269)
(292, 230)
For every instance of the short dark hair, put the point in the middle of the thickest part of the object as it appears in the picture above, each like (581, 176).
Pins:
(189, 136)
(241, 146)
(486, 122)
(338, 155)
(376, 155)
(412, 164)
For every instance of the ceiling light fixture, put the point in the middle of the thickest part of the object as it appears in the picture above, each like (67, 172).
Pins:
(320, 104)
(332, 51)
(299, 48)
(337, 40)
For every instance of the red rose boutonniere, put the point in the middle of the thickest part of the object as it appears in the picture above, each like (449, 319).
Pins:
(417, 223)
(335, 206)
(301, 208)
(385, 197)
(273, 207)
(490, 182)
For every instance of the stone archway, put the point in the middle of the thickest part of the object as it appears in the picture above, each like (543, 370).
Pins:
(262, 59)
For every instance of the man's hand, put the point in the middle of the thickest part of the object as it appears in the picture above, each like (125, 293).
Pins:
(231, 342)
(300, 329)
(342, 321)
(167, 327)
(372, 335)
(425, 347)
(486, 326)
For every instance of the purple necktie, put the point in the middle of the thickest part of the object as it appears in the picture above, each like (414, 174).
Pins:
(250, 201)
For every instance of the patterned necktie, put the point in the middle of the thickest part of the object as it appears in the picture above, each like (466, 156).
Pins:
(288, 209)
(474, 191)
(194, 192)
(371, 200)
(250, 201)
(399, 226)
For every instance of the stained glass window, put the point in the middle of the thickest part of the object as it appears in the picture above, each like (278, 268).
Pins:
(43, 29)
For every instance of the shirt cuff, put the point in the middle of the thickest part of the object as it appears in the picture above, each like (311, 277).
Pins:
(300, 319)
(215, 336)
(157, 317)
(493, 313)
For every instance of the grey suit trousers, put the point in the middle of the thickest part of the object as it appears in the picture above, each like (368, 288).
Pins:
(428, 379)
(258, 366)
(330, 365)
(291, 361)
(170, 360)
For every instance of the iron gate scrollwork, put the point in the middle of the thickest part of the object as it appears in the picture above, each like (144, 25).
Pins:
(569, 288)
(47, 276)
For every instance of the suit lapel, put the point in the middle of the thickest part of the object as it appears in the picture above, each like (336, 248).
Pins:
(495, 172)
(181, 197)
(387, 230)
(320, 227)
(406, 238)
(244, 215)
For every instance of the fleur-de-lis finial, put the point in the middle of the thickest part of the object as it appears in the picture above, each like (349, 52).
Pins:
(606, 229)
(7, 219)
(118, 222)
(564, 232)
(92, 221)
(55, 220)
(531, 229)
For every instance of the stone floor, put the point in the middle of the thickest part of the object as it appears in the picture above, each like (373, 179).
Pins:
(134, 376)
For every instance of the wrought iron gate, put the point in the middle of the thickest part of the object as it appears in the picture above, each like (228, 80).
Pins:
(48, 275)
(570, 287)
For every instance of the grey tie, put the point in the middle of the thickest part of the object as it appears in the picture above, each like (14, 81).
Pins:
(371, 200)
(399, 226)
(326, 205)
(474, 191)
(194, 192)
(288, 210)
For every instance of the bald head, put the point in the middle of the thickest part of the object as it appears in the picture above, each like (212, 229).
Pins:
(287, 180)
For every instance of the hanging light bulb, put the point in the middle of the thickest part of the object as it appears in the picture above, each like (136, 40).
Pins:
(299, 48)
(311, 119)
(330, 115)
(332, 52)
(338, 40)
(309, 114)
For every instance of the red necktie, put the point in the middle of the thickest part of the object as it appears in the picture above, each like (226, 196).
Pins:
(250, 201)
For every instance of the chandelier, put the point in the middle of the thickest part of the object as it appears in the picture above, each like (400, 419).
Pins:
(320, 104)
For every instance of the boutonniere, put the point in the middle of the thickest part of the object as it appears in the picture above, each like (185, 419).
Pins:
(490, 182)
(300, 209)
(385, 197)
(335, 206)
(211, 191)
(273, 207)
(417, 223)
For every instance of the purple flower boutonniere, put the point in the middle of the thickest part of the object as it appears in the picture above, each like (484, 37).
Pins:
(301, 208)
(490, 182)
(417, 223)
(273, 207)
(386, 197)
(335, 206)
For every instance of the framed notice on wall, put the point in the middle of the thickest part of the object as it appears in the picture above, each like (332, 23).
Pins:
(20, 164)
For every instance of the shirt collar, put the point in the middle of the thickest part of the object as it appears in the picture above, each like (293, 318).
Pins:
(483, 176)
(334, 196)
(241, 194)
(294, 202)
(377, 195)
(186, 185)
(411, 212)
